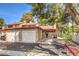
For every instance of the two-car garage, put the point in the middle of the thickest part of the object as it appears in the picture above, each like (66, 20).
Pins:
(21, 35)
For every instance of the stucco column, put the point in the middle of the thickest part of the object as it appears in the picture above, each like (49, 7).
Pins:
(20, 35)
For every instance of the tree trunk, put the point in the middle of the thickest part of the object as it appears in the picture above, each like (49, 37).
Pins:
(73, 13)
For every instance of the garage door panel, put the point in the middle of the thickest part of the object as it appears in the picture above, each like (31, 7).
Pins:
(10, 36)
(28, 36)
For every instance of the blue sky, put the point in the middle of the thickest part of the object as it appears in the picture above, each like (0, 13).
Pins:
(12, 12)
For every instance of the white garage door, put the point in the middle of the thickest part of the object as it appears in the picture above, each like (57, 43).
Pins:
(10, 36)
(29, 36)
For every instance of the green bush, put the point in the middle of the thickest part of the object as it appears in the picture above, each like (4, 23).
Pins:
(67, 37)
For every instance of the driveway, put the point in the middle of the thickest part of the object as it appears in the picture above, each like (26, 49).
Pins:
(30, 49)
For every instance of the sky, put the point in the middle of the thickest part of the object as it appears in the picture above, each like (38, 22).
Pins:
(12, 12)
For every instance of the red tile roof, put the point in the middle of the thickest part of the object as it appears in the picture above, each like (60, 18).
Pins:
(48, 28)
(30, 26)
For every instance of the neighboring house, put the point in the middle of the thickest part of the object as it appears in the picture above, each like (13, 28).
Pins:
(25, 32)
(48, 31)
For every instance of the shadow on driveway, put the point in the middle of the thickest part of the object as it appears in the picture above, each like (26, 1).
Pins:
(17, 46)
(47, 50)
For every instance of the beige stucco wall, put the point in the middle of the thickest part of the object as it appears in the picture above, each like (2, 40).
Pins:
(39, 35)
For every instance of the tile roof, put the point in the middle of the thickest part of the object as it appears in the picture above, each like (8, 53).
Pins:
(48, 28)
(29, 26)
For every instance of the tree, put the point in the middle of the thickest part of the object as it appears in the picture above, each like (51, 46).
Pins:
(57, 12)
(39, 10)
(71, 8)
(1, 21)
(27, 17)
(47, 13)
